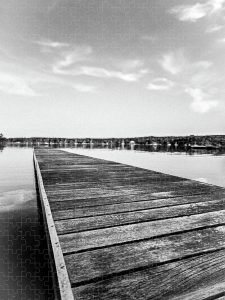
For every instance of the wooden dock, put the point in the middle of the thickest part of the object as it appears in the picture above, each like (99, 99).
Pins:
(120, 232)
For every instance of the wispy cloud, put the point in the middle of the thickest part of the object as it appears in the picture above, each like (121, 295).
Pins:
(130, 64)
(74, 63)
(203, 78)
(221, 40)
(48, 46)
(160, 84)
(71, 57)
(83, 88)
(52, 44)
(81, 61)
(192, 13)
(214, 28)
(105, 73)
(15, 85)
(176, 62)
(16, 79)
(202, 64)
(201, 101)
(173, 62)
(197, 79)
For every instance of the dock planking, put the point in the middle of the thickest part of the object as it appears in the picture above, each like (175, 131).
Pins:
(132, 233)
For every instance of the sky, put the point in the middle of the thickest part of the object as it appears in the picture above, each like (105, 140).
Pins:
(103, 68)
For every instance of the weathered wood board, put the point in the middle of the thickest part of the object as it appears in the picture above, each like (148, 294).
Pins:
(132, 233)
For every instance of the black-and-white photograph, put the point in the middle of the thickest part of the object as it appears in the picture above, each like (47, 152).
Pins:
(112, 149)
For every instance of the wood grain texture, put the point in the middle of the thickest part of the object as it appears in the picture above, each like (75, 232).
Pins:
(73, 210)
(119, 234)
(194, 278)
(117, 259)
(127, 200)
(125, 218)
(131, 233)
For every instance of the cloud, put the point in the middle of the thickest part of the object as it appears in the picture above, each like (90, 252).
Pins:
(204, 75)
(216, 5)
(98, 72)
(80, 62)
(16, 80)
(221, 40)
(130, 64)
(192, 13)
(197, 79)
(189, 13)
(201, 102)
(173, 62)
(77, 86)
(15, 85)
(214, 28)
(48, 46)
(52, 44)
(105, 73)
(202, 64)
(160, 84)
(71, 57)
(176, 63)
(83, 88)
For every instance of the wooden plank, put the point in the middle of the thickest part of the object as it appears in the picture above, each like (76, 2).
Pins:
(198, 277)
(130, 177)
(101, 263)
(106, 180)
(131, 189)
(123, 180)
(58, 204)
(124, 218)
(79, 185)
(76, 195)
(67, 176)
(71, 209)
(74, 242)
(64, 291)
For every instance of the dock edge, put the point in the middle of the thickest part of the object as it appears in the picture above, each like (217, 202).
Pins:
(61, 282)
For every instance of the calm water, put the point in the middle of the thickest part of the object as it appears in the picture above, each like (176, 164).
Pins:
(24, 270)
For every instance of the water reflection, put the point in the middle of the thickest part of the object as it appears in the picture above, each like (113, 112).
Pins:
(2, 146)
(150, 148)
(154, 147)
(24, 269)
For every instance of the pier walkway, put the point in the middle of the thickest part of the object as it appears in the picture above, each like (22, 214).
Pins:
(121, 232)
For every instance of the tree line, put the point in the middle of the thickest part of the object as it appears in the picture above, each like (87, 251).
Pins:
(181, 141)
